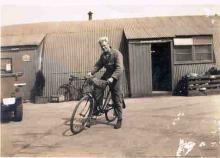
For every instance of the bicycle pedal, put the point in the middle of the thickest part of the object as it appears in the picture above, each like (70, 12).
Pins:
(88, 125)
(82, 115)
(93, 118)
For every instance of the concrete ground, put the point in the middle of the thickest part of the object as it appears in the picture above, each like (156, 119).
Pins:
(165, 126)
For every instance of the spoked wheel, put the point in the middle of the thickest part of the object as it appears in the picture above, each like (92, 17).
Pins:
(81, 115)
(76, 94)
(65, 92)
(110, 113)
(80, 94)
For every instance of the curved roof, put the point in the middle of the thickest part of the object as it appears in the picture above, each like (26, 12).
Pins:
(134, 28)
(181, 24)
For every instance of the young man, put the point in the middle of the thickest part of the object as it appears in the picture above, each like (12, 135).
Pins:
(112, 60)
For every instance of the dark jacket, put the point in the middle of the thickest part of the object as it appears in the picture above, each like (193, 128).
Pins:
(113, 62)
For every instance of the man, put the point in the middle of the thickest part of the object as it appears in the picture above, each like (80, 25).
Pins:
(112, 60)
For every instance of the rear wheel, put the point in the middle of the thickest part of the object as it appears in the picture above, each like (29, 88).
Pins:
(79, 94)
(81, 114)
(76, 94)
(18, 113)
(64, 91)
(110, 113)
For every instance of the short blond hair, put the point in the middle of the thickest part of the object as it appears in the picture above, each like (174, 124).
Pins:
(103, 39)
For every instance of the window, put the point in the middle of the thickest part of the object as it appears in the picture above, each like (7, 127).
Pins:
(6, 65)
(197, 49)
(203, 52)
(184, 53)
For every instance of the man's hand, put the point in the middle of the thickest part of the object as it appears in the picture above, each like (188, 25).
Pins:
(110, 80)
(89, 74)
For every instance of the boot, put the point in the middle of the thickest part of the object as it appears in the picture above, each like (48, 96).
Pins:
(118, 124)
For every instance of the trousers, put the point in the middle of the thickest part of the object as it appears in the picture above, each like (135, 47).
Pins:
(116, 92)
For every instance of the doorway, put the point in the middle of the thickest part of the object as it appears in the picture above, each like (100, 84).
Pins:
(161, 66)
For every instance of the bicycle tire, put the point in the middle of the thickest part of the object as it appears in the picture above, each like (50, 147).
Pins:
(110, 114)
(62, 90)
(78, 127)
(80, 94)
(76, 94)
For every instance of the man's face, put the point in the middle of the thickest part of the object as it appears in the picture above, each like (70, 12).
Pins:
(105, 46)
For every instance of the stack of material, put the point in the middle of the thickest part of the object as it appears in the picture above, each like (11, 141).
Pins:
(203, 85)
(194, 84)
(181, 88)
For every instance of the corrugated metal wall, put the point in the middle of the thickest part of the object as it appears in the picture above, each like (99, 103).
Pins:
(140, 69)
(75, 53)
(28, 68)
(216, 39)
(182, 70)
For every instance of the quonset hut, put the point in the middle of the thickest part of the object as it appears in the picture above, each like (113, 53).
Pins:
(157, 51)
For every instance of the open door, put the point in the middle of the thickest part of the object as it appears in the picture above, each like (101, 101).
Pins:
(161, 67)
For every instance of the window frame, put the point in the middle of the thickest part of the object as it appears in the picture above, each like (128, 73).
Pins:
(194, 61)
(175, 53)
(203, 53)
(4, 70)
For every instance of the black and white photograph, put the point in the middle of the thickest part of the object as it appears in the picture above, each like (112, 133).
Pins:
(110, 79)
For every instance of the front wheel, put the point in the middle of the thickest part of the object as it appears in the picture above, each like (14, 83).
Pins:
(81, 114)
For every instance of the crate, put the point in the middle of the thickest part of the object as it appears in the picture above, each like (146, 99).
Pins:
(41, 100)
(203, 85)
(57, 98)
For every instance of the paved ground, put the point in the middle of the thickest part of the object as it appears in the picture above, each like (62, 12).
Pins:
(156, 126)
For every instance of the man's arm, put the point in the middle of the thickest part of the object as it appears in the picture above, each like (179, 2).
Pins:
(119, 66)
(97, 66)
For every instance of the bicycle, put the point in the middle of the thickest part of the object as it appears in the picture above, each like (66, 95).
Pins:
(83, 112)
(69, 90)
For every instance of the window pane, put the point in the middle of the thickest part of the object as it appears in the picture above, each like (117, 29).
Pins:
(203, 49)
(202, 40)
(183, 49)
(203, 56)
(6, 65)
(183, 41)
(203, 52)
(183, 53)
(183, 57)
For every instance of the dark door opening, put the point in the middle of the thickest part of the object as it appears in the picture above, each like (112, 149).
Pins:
(161, 66)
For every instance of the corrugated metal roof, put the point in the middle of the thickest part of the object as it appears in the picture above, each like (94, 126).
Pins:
(60, 27)
(158, 27)
(21, 40)
(149, 27)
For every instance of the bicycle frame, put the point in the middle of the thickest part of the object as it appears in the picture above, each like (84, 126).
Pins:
(70, 89)
(106, 102)
(103, 107)
(88, 116)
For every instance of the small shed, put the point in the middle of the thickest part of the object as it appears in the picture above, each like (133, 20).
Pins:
(21, 53)
(162, 50)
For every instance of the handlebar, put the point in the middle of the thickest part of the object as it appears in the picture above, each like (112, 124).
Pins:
(73, 77)
(89, 78)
